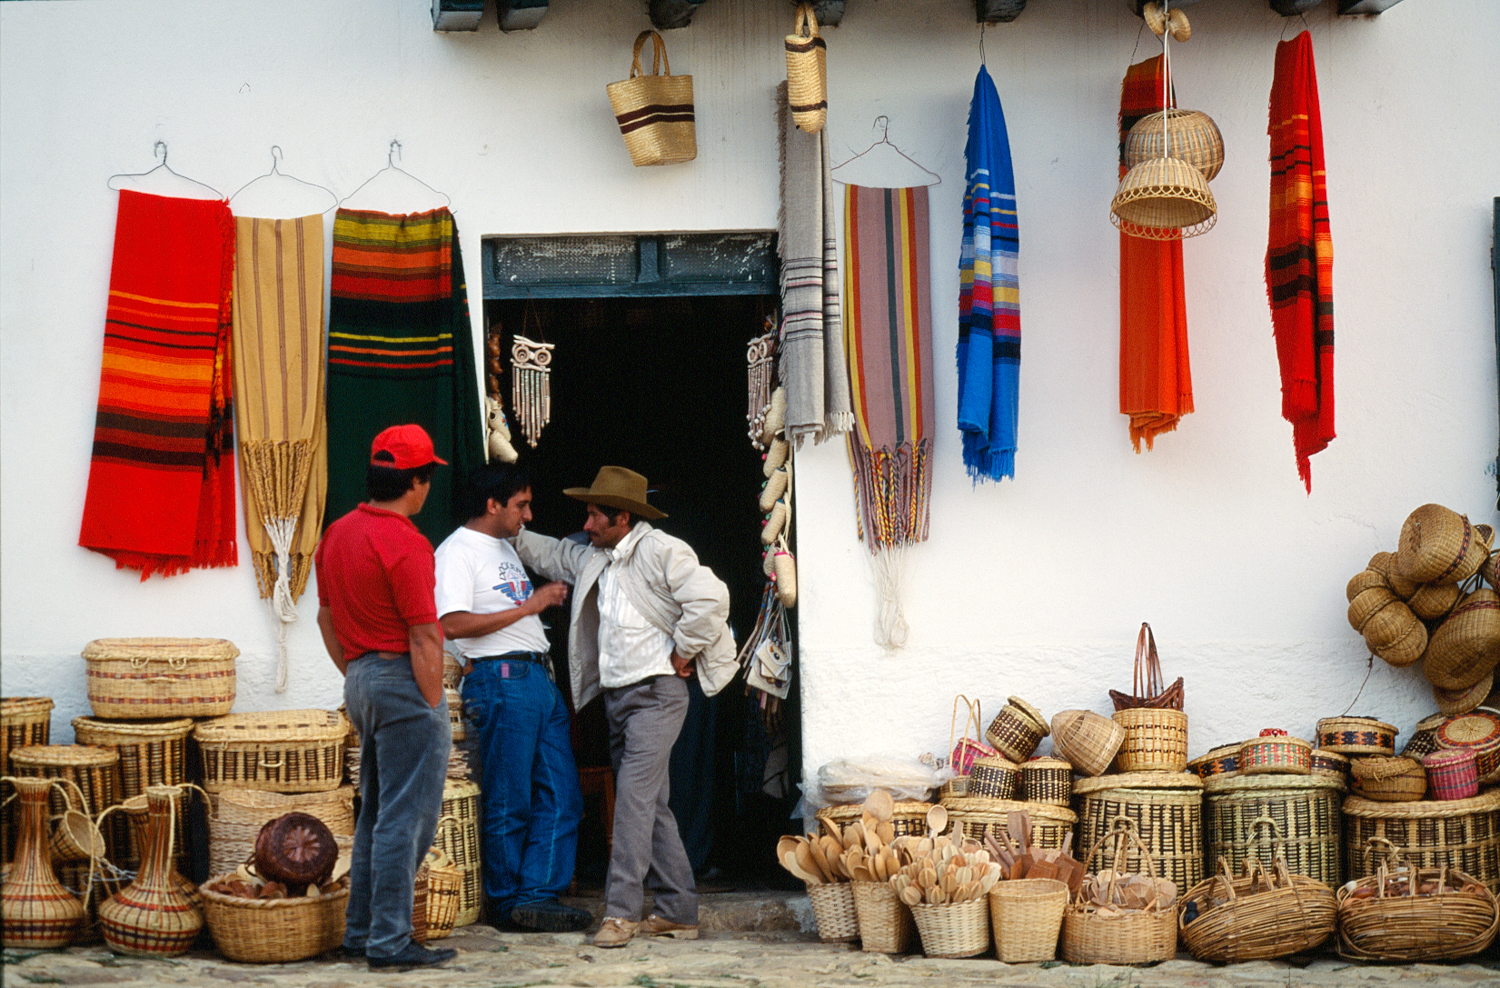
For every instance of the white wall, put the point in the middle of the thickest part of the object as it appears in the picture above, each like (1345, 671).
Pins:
(1033, 587)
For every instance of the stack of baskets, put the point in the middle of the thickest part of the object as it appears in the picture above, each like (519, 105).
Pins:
(458, 838)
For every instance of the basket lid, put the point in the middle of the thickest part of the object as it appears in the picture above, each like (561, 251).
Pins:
(1447, 756)
(160, 648)
(1455, 702)
(1139, 780)
(1355, 724)
(54, 755)
(1270, 782)
(1031, 712)
(960, 806)
(20, 706)
(1477, 730)
(1276, 739)
(296, 848)
(124, 729)
(274, 725)
(1423, 808)
(993, 761)
(1332, 756)
(1046, 762)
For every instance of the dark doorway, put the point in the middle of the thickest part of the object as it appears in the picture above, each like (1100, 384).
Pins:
(657, 384)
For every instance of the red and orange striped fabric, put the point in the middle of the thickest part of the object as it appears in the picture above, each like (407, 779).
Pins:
(160, 494)
(888, 339)
(1299, 253)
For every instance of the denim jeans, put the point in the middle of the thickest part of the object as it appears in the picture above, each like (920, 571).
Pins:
(531, 803)
(403, 764)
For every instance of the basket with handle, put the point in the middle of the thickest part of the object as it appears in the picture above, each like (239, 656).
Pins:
(1265, 914)
(1148, 675)
(966, 748)
(1383, 916)
(807, 72)
(1132, 938)
(655, 112)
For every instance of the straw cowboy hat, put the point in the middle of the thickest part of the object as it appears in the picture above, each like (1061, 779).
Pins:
(616, 487)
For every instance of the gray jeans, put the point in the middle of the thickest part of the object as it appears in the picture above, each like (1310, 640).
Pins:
(644, 720)
(403, 764)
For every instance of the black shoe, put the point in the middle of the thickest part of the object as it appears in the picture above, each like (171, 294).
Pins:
(415, 955)
(551, 916)
(345, 953)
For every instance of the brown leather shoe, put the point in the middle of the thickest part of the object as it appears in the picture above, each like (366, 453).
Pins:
(655, 926)
(615, 932)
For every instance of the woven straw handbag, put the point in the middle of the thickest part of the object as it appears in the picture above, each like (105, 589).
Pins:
(807, 72)
(655, 112)
(1148, 674)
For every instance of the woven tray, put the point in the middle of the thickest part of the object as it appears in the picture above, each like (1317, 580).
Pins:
(152, 678)
(274, 751)
(275, 931)
(1457, 833)
(1167, 808)
(1305, 810)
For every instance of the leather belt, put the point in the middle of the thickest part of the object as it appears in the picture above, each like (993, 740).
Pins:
(537, 658)
(388, 656)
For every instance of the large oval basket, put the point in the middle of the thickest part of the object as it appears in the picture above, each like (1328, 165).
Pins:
(275, 931)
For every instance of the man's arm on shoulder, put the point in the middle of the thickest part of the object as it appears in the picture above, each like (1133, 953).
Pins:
(556, 559)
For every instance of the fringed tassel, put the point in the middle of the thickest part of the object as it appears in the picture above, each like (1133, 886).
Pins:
(890, 583)
(893, 492)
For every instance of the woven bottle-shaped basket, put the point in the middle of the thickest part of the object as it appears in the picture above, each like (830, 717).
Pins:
(153, 917)
(655, 112)
(807, 72)
(37, 912)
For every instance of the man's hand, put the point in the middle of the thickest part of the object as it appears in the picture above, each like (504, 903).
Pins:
(548, 595)
(683, 667)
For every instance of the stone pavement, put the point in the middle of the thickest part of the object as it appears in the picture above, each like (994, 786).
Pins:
(763, 950)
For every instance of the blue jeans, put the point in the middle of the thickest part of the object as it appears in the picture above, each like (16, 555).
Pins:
(531, 800)
(403, 764)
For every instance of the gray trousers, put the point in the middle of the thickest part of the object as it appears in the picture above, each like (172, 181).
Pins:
(644, 720)
(403, 766)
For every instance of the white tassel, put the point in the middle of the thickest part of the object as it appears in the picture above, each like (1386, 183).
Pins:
(283, 606)
(891, 628)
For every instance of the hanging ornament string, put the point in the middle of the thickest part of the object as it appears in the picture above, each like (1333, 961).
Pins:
(493, 367)
(531, 380)
(761, 361)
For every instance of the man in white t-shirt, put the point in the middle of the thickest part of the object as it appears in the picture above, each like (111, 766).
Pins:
(530, 796)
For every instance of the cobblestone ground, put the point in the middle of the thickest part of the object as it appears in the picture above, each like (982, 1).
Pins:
(750, 944)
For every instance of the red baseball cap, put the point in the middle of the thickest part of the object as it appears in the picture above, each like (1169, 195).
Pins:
(409, 444)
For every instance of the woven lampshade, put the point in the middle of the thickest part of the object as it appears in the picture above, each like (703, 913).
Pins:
(1187, 134)
(1163, 199)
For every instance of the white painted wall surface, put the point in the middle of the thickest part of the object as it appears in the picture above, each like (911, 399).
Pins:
(1033, 587)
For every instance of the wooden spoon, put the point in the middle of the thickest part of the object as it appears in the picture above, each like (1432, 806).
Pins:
(885, 831)
(911, 895)
(880, 805)
(789, 862)
(937, 819)
(809, 863)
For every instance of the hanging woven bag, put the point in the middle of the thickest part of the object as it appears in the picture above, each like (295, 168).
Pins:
(807, 72)
(655, 112)
(1148, 675)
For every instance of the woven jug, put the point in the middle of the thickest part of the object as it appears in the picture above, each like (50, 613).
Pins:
(37, 911)
(153, 916)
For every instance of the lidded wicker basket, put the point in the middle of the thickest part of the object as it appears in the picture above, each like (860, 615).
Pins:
(1357, 736)
(1477, 731)
(1275, 753)
(1047, 780)
(1190, 135)
(1017, 729)
(1221, 761)
(153, 678)
(1389, 779)
(1451, 774)
(993, 778)
(277, 751)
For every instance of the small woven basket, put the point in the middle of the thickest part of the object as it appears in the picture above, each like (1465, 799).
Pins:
(953, 929)
(1423, 738)
(1279, 754)
(1017, 729)
(152, 678)
(1455, 702)
(1047, 780)
(1329, 764)
(1477, 731)
(459, 839)
(1438, 545)
(993, 778)
(1221, 761)
(1190, 135)
(655, 112)
(885, 922)
(1378, 926)
(1089, 741)
(276, 751)
(1451, 774)
(1357, 736)
(1156, 740)
(1133, 938)
(275, 931)
(1257, 917)
(807, 72)
(833, 909)
(1389, 779)
(1026, 917)
(444, 883)
(1163, 199)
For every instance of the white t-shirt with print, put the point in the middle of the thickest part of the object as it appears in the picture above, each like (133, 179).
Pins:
(481, 575)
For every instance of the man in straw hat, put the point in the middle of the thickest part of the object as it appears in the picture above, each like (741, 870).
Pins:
(380, 625)
(645, 615)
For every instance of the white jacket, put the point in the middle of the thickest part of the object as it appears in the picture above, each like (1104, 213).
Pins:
(662, 577)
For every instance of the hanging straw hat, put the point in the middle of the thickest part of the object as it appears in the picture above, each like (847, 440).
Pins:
(616, 487)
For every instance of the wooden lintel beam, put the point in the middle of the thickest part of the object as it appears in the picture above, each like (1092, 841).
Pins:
(667, 15)
(997, 11)
(520, 15)
(457, 15)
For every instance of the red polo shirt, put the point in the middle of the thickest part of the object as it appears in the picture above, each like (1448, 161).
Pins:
(376, 574)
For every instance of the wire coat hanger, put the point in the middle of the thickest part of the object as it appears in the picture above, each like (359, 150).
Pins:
(391, 155)
(884, 123)
(275, 172)
(159, 149)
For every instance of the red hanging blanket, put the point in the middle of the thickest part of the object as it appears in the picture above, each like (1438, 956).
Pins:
(161, 484)
(1299, 253)
(1156, 384)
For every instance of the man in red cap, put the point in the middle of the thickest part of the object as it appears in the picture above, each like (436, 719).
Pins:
(379, 622)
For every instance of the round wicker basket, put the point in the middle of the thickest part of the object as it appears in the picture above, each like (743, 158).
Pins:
(1188, 135)
(1163, 199)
